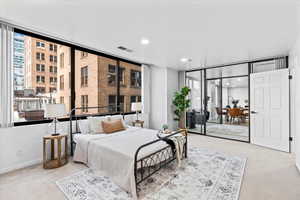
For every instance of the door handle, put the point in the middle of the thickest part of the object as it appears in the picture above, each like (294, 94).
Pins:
(253, 112)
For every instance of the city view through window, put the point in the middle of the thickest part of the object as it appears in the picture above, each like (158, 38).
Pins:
(42, 75)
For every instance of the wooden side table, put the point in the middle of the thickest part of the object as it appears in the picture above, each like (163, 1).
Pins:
(140, 122)
(55, 162)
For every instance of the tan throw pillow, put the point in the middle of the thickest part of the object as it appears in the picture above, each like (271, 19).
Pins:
(112, 126)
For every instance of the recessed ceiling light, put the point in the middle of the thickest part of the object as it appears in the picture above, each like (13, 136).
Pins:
(239, 79)
(227, 83)
(145, 41)
(183, 59)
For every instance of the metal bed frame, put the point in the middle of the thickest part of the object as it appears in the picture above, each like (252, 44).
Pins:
(146, 166)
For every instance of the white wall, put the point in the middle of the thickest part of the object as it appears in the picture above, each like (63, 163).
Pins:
(238, 93)
(172, 87)
(22, 146)
(164, 82)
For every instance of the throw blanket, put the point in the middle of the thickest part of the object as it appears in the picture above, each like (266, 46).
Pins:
(179, 145)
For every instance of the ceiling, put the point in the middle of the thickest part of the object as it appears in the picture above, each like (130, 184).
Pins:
(209, 32)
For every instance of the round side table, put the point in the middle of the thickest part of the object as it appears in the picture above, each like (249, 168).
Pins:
(58, 160)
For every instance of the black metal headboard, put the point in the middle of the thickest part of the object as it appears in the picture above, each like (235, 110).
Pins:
(74, 117)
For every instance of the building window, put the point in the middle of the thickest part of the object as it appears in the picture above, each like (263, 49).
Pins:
(83, 54)
(53, 58)
(122, 105)
(84, 103)
(40, 90)
(62, 100)
(62, 60)
(135, 78)
(40, 67)
(61, 82)
(52, 90)
(122, 76)
(134, 99)
(53, 80)
(112, 71)
(84, 76)
(40, 44)
(112, 103)
(53, 69)
(40, 79)
(40, 56)
(53, 47)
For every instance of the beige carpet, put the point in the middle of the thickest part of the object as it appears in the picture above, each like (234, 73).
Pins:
(269, 174)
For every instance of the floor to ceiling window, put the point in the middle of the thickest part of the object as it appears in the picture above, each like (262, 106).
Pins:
(50, 71)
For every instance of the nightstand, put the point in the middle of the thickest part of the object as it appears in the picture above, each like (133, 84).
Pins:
(140, 122)
(55, 162)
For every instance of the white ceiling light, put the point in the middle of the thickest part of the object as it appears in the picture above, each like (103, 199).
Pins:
(184, 60)
(145, 41)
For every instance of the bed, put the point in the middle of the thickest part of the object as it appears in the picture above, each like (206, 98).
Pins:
(128, 157)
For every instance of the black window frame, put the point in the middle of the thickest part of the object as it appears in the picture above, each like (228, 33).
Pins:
(72, 47)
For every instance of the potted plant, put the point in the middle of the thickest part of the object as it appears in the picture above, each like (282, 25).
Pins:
(181, 103)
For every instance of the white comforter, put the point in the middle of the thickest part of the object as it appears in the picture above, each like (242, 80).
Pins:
(113, 154)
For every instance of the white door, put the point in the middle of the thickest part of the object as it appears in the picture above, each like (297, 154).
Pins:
(269, 104)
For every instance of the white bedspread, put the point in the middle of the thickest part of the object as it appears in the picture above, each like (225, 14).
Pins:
(113, 154)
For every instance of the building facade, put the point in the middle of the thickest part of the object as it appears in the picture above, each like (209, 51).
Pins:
(96, 82)
(40, 65)
(18, 61)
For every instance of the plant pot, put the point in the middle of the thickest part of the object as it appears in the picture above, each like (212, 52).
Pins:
(181, 123)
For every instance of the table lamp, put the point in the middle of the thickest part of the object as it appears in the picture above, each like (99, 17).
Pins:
(53, 111)
(136, 107)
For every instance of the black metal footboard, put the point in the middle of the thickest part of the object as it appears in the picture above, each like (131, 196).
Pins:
(148, 165)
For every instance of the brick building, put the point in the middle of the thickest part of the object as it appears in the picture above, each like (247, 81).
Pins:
(96, 82)
(40, 65)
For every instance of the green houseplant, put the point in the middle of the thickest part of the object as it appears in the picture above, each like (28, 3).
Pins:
(181, 103)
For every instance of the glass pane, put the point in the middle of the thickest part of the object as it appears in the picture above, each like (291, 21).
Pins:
(130, 78)
(35, 76)
(95, 83)
(195, 116)
(228, 71)
(213, 99)
(234, 113)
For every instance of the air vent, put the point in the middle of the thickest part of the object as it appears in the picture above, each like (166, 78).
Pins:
(125, 49)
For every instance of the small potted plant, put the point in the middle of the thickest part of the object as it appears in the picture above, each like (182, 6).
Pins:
(165, 127)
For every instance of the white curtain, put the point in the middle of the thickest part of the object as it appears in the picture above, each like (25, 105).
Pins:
(6, 76)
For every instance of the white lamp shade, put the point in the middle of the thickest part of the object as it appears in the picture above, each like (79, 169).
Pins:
(55, 110)
(136, 106)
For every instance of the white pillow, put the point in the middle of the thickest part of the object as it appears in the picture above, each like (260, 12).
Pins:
(84, 126)
(95, 124)
(116, 117)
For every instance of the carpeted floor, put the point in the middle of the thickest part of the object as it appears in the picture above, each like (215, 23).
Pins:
(269, 174)
(205, 175)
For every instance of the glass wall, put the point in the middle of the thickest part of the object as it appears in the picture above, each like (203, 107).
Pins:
(196, 115)
(219, 102)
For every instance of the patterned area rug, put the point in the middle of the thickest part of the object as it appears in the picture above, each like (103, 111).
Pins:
(205, 175)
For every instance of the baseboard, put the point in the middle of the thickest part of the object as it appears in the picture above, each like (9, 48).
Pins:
(20, 166)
